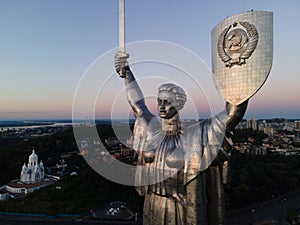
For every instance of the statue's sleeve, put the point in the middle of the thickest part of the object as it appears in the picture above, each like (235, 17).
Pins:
(135, 97)
(203, 142)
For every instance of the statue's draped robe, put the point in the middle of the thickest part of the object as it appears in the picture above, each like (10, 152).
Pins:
(191, 194)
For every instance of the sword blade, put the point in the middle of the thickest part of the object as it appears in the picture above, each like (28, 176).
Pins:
(121, 26)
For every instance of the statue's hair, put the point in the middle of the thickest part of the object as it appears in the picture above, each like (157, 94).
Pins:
(180, 95)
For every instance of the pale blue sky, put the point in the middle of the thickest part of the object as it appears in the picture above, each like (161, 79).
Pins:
(46, 45)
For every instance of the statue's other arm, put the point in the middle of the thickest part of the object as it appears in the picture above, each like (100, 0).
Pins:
(228, 119)
(235, 114)
(135, 96)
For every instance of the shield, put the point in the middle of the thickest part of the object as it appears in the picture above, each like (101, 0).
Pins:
(242, 54)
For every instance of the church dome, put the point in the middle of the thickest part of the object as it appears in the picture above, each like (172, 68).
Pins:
(33, 157)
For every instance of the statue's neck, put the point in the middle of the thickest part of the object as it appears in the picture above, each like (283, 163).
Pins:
(172, 125)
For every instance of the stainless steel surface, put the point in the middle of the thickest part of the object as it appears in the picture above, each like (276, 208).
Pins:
(180, 169)
(122, 25)
(188, 187)
(242, 54)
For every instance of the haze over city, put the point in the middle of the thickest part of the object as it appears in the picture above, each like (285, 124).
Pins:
(47, 47)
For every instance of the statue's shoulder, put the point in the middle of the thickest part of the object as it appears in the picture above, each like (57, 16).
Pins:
(150, 124)
(145, 130)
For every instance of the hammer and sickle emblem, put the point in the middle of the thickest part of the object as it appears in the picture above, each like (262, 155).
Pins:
(236, 43)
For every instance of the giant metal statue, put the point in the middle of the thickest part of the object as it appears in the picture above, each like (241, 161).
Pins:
(186, 165)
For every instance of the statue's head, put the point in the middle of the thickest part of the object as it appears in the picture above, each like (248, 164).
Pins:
(171, 98)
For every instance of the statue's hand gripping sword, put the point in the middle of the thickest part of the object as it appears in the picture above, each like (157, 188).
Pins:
(122, 52)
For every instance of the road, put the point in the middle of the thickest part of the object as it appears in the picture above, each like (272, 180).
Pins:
(270, 210)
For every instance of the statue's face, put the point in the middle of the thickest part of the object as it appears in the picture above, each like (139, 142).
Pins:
(166, 104)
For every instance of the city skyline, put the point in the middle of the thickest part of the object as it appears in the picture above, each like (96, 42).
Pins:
(48, 46)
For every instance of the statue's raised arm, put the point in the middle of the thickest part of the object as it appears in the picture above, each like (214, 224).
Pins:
(135, 95)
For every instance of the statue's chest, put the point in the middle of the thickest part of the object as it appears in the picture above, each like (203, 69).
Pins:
(165, 151)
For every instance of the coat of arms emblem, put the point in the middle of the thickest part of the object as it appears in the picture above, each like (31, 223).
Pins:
(237, 42)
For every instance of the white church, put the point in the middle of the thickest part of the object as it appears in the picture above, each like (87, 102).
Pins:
(32, 178)
(34, 172)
